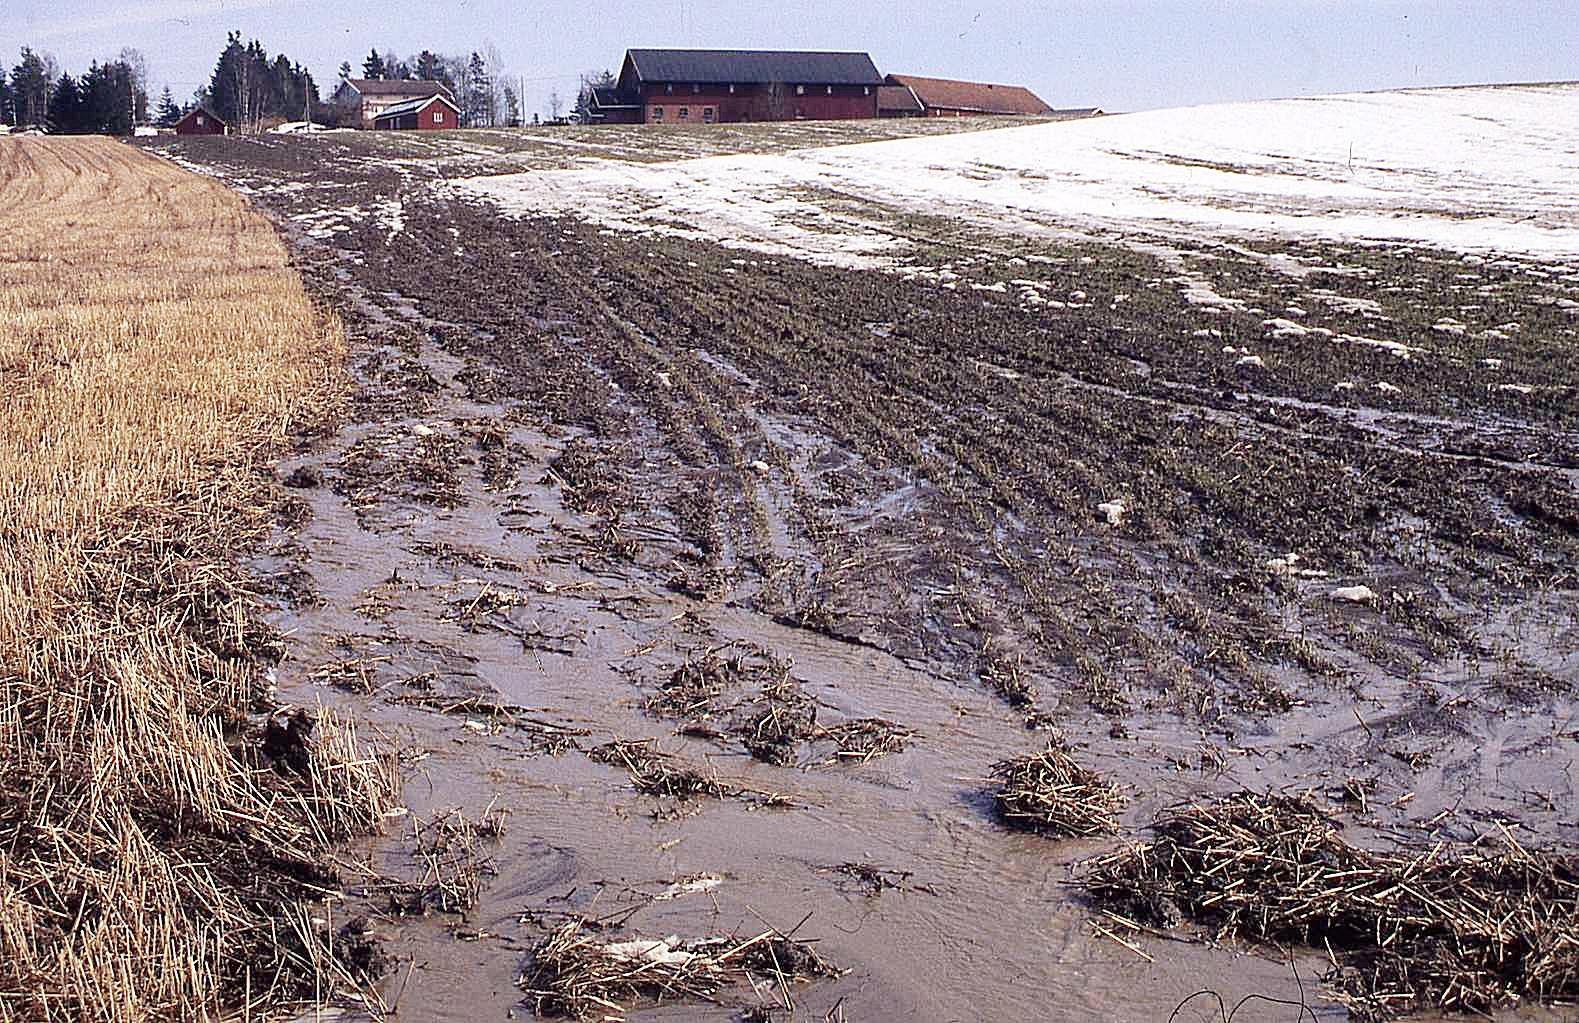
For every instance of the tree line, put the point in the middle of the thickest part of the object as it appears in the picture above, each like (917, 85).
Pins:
(249, 89)
(110, 97)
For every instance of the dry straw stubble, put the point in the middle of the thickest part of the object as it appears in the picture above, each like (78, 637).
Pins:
(1447, 928)
(155, 348)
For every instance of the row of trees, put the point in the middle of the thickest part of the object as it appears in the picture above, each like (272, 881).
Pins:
(248, 87)
(110, 97)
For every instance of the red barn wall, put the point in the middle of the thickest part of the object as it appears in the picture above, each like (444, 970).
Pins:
(755, 103)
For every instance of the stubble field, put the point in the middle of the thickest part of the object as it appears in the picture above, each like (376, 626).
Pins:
(162, 836)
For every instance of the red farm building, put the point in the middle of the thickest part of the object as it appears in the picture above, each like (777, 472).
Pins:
(729, 86)
(915, 96)
(201, 121)
(433, 113)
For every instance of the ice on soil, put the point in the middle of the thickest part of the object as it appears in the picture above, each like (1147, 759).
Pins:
(1112, 511)
(666, 952)
(1475, 169)
(689, 886)
(1353, 594)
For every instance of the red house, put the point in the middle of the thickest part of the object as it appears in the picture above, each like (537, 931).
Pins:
(435, 113)
(727, 86)
(201, 121)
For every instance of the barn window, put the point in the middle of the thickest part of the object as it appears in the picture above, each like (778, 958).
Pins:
(731, 88)
(866, 90)
(657, 113)
(709, 115)
(830, 90)
(800, 90)
(669, 88)
(200, 120)
(695, 88)
(685, 113)
(438, 117)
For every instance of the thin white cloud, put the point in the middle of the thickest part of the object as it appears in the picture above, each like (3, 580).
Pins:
(180, 12)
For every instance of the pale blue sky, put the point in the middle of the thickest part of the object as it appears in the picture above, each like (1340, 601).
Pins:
(1118, 54)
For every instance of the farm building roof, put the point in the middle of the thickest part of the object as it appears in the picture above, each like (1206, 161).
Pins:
(607, 96)
(898, 99)
(722, 66)
(396, 87)
(411, 106)
(980, 97)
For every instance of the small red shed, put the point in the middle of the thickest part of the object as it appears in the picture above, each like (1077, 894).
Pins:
(201, 121)
(435, 113)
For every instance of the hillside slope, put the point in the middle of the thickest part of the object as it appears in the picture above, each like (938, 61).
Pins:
(1485, 168)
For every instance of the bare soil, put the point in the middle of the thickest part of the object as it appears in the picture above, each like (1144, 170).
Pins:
(704, 564)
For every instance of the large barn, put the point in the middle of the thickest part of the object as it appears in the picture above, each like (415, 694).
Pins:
(728, 86)
(916, 96)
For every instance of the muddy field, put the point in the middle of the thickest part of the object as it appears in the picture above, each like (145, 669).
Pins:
(709, 588)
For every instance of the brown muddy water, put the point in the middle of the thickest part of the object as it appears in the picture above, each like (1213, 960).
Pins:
(979, 924)
(575, 467)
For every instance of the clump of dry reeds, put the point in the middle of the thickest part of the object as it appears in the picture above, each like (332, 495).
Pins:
(159, 840)
(1456, 929)
(573, 973)
(859, 740)
(1051, 793)
(657, 773)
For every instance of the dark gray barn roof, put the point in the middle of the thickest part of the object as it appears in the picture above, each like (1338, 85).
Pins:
(606, 97)
(722, 66)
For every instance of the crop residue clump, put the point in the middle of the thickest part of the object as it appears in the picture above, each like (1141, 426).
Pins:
(574, 974)
(1465, 929)
(1051, 793)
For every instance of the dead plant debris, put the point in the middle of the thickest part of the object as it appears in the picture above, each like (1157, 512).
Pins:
(575, 974)
(1458, 929)
(1051, 793)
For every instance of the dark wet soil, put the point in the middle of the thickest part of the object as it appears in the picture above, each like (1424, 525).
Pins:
(596, 490)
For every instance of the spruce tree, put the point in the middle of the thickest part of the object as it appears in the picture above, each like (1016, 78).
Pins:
(30, 87)
(167, 113)
(65, 113)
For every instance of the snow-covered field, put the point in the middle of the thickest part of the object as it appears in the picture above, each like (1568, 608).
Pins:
(1474, 169)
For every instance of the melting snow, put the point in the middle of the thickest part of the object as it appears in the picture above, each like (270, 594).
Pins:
(1402, 166)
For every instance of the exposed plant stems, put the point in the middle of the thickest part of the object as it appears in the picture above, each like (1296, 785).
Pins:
(1448, 928)
(159, 835)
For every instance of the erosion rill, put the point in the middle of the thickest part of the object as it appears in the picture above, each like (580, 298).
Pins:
(161, 836)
